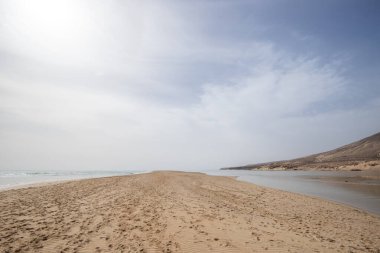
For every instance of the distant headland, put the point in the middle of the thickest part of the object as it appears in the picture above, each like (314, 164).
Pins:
(360, 155)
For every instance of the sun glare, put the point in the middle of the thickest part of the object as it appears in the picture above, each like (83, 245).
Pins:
(58, 27)
(70, 32)
(59, 20)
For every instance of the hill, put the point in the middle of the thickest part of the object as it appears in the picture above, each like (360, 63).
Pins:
(360, 155)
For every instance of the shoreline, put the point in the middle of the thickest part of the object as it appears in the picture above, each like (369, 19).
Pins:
(320, 198)
(64, 178)
(57, 182)
(40, 184)
(297, 165)
(323, 185)
(178, 212)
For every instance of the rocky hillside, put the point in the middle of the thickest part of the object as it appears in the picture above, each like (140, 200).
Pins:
(360, 155)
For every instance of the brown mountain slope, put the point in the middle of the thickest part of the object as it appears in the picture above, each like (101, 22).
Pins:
(360, 155)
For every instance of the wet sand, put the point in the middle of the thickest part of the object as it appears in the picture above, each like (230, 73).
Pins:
(346, 187)
(178, 212)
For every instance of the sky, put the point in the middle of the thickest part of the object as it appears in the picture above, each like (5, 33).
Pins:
(184, 85)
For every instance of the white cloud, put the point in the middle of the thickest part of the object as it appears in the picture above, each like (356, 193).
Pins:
(259, 112)
(251, 118)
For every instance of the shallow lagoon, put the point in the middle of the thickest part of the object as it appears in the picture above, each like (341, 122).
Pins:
(347, 187)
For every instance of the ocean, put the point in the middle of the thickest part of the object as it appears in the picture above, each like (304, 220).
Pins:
(16, 178)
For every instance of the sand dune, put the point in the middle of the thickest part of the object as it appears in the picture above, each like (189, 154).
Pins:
(178, 212)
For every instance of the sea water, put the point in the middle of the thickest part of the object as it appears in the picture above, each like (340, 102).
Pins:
(16, 178)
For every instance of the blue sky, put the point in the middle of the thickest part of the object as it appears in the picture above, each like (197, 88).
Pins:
(184, 84)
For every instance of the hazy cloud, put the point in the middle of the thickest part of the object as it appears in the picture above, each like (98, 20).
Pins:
(95, 85)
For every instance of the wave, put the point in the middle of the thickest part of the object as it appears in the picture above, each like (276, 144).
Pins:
(7, 174)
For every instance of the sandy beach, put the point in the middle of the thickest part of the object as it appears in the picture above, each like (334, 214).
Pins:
(178, 212)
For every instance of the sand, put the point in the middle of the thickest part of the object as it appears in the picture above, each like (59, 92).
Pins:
(178, 212)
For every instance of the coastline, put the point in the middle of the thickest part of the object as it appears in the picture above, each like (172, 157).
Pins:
(177, 212)
(29, 178)
(60, 181)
